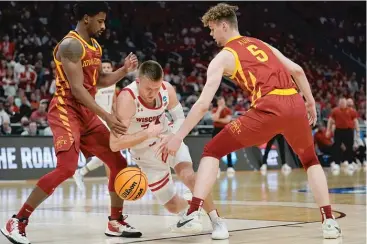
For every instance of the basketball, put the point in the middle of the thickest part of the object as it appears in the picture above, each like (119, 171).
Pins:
(131, 184)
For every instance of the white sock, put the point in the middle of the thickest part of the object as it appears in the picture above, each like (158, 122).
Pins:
(213, 215)
(93, 164)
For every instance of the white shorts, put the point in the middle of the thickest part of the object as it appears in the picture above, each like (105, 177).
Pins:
(158, 172)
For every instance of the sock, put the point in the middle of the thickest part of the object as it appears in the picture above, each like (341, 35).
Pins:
(196, 203)
(84, 170)
(116, 212)
(25, 211)
(213, 214)
(326, 212)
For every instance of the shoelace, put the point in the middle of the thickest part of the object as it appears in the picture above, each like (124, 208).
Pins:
(122, 221)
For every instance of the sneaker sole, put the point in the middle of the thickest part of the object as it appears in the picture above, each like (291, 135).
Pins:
(124, 234)
(332, 235)
(6, 234)
(220, 237)
(192, 230)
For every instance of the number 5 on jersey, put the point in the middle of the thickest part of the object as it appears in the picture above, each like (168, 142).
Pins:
(258, 53)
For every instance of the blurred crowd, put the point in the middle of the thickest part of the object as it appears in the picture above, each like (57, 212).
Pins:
(178, 41)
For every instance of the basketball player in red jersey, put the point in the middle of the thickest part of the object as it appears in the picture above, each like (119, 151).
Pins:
(276, 108)
(73, 119)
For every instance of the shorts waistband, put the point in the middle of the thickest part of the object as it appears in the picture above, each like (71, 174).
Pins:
(283, 92)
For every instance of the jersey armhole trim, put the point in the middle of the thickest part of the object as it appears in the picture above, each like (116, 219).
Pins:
(57, 48)
(236, 60)
(164, 86)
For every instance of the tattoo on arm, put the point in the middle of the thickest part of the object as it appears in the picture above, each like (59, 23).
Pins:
(71, 49)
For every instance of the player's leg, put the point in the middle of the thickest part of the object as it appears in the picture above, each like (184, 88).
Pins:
(264, 166)
(253, 128)
(93, 164)
(299, 136)
(66, 141)
(182, 164)
(96, 142)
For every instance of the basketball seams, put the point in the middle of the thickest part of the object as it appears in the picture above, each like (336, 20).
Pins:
(136, 187)
(122, 187)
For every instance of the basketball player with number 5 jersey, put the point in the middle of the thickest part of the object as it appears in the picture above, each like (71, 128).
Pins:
(141, 106)
(277, 108)
(105, 98)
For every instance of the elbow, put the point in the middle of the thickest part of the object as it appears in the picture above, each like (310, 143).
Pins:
(113, 144)
(297, 71)
(203, 106)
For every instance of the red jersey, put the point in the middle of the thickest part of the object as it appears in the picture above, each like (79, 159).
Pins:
(258, 70)
(91, 61)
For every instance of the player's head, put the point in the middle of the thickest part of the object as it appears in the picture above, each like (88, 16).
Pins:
(150, 80)
(221, 101)
(350, 103)
(92, 16)
(107, 66)
(342, 102)
(222, 21)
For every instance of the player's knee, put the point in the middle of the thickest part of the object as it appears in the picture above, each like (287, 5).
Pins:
(308, 157)
(187, 176)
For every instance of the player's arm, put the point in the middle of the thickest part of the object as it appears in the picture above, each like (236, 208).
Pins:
(225, 120)
(174, 108)
(107, 79)
(214, 76)
(125, 110)
(298, 74)
(71, 52)
(330, 123)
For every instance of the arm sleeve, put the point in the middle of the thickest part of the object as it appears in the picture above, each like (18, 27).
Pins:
(177, 116)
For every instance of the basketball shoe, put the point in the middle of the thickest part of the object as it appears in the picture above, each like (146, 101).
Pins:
(79, 180)
(119, 228)
(188, 224)
(331, 229)
(220, 231)
(14, 230)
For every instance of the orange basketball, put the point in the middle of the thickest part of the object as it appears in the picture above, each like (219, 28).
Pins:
(131, 184)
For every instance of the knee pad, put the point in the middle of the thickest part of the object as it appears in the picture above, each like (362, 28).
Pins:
(308, 157)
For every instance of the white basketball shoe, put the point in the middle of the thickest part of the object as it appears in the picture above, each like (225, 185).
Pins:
(220, 231)
(14, 230)
(331, 229)
(188, 224)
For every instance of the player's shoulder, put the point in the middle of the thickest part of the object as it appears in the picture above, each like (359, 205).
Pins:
(71, 48)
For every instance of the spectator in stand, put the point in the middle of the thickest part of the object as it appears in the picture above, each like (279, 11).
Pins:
(4, 116)
(6, 128)
(24, 122)
(27, 79)
(325, 145)
(25, 107)
(222, 115)
(32, 130)
(345, 120)
(9, 85)
(40, 116)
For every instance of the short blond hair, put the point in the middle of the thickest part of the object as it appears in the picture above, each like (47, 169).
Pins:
(221, 11)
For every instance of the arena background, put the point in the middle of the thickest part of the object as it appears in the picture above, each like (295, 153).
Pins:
(327, 39)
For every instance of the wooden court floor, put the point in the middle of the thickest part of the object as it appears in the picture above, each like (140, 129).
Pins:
(269, 209)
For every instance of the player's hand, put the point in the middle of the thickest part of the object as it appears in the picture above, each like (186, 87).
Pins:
(164, 139)
(172, 146)
(328, 133)
(115, 125)
(154, 129)
(312, 114)
(131, 62)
